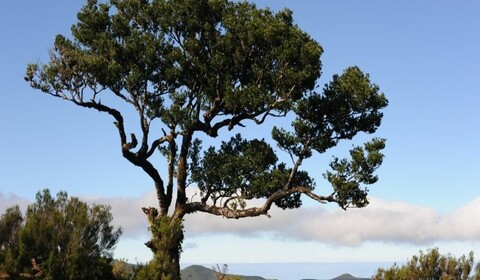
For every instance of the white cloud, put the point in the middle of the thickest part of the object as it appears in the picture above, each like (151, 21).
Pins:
(463, 224)
(381, 221)
(127, 212)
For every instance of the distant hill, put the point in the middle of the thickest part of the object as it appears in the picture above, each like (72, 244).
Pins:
(347, 276)
(198, 272)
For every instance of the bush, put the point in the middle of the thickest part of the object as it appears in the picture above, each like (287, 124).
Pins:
(432, 266)
(59, 238)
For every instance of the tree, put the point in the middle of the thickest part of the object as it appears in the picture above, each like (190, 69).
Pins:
(122, 270)
(432, 266)
(221, 273)
(476, 275)
(10, 224)
(59, 238)
(196, 69)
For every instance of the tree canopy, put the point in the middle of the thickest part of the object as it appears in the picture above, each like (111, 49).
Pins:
(58, 238)
(196, 69)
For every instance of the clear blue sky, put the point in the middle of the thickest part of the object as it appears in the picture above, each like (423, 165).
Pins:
(424, 55)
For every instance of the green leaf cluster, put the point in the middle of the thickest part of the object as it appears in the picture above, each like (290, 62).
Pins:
(242, 170)
(199, 54)
(239, 165)
(348, 105)
(349, 174)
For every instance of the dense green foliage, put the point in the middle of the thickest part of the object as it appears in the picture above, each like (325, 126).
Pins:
(59, 238)
(196, 69)
(433, 266)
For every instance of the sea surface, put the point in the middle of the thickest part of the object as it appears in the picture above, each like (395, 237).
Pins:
(297, 271)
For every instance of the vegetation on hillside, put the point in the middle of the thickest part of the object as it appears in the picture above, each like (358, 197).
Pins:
(58, 238)
(433, 266)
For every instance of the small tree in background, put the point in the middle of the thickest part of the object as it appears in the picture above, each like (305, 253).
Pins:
(432, 266)
(59, 238)
(122, 270)
(194, 69)
(221, 273)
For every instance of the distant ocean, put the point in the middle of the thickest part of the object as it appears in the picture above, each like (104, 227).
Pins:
(297, 271)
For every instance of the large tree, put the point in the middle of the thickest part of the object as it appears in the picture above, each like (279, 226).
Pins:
(59, 238)
(196, 69)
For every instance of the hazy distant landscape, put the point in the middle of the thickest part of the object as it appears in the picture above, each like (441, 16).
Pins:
(198, 272)
(297, 271)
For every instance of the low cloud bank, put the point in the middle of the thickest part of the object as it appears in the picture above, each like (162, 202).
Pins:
(10, 199)
(127, 212)
(381, 221)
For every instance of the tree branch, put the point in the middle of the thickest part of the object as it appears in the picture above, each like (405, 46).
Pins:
(231, 122)
(229, 213)
(157, 143)
(182, 170)
(135, 159)
(119, 122)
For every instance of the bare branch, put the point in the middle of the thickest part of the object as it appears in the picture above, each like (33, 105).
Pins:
(135, 159)
(293, 172)
(121, 96)
(155, 144)
(216, 108)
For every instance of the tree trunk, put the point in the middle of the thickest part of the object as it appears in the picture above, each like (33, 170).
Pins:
(166, 245)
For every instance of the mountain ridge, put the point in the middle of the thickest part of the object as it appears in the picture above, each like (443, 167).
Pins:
(199, 272)
(347, 276)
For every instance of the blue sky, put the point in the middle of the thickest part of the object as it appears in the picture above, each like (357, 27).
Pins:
(424, 55)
